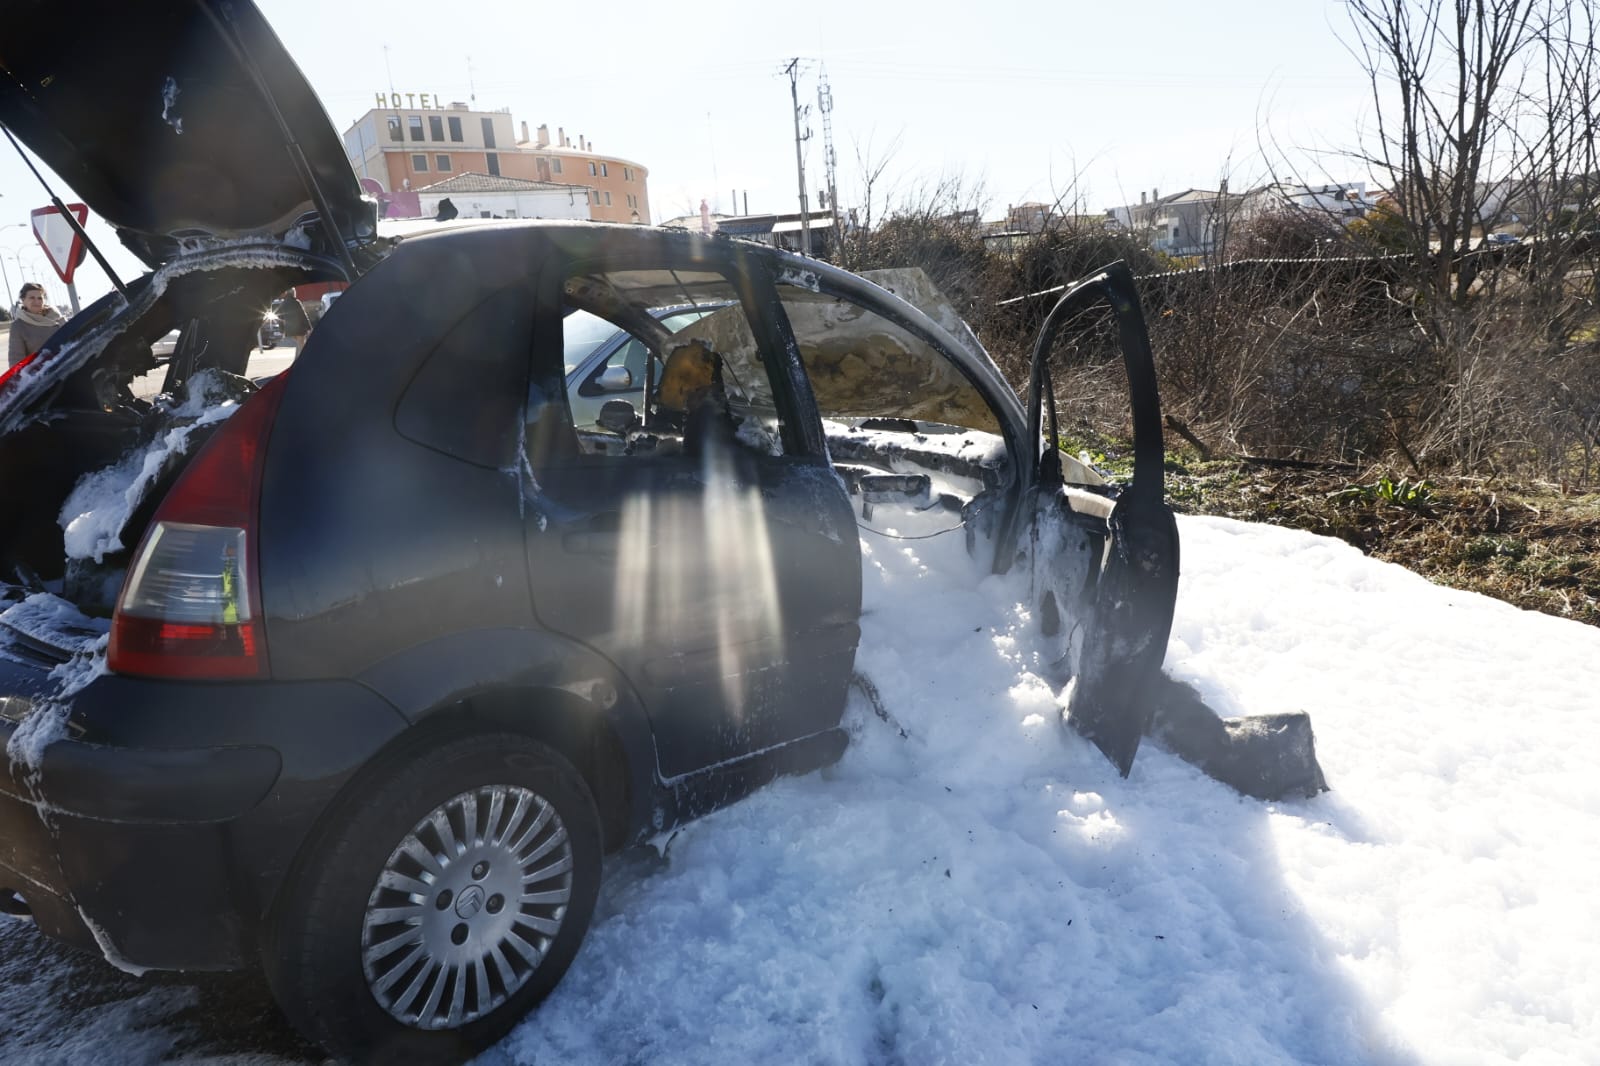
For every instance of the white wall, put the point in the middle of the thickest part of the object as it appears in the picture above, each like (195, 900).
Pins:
(543, 203)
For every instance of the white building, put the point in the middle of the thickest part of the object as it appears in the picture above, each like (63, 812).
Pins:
(487, 196)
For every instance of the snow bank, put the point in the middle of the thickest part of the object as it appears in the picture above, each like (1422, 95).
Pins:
(989, 891)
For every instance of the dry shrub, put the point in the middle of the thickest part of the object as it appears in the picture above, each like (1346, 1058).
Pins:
(1334, 356)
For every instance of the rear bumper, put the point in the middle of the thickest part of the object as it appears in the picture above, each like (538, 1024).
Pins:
(127, 850)
(160, 830)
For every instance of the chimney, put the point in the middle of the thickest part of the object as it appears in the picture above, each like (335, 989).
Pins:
(544, 135)
(705, 217)
(1224, 189)
(1155, 194)
(525, 137)
(561, 135)
(1141, 198)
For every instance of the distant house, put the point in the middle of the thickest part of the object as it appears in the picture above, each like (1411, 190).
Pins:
(1341, 201)
(1195, 222)
(1191, 222)
(491, 196)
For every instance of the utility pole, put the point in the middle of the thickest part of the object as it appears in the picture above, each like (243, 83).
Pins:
(793, 70)
(829, 160)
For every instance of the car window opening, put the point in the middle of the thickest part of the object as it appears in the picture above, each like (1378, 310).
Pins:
(662, 363)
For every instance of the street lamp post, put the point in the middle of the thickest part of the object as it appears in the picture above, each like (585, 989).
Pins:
(3, 272)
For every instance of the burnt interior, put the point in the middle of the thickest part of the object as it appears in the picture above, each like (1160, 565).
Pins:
(91, 418)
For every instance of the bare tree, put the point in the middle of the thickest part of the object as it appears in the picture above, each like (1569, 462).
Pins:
(1446, 76)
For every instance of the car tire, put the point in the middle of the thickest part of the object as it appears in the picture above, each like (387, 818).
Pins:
(398, 938)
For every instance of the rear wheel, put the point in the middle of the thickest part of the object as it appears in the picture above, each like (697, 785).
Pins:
(442, 905)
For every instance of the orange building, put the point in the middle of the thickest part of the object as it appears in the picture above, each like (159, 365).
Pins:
(423, 142)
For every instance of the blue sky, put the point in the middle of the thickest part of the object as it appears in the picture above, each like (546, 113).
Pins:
(1023, 101)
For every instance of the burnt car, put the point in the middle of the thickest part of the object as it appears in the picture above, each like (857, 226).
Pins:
(356, 676)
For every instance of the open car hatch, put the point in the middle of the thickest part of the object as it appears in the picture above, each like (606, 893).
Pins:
(178, 123)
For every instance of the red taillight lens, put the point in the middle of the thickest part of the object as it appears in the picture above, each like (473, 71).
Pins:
(15, 369)
(191, 604)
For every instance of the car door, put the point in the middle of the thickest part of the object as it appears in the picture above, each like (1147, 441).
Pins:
(1105, 569)
(702, 544)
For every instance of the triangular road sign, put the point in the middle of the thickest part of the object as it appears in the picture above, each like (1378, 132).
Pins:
(60, 241)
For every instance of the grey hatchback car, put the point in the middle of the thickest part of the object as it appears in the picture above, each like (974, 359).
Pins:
(378, 661)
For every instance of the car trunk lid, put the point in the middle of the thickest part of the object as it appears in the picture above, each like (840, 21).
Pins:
(180, 124)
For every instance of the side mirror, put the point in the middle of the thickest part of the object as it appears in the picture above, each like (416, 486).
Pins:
(614, 379)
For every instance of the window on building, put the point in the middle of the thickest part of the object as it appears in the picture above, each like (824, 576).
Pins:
(396, 131)
(488, 134)
(455, 128)
(591, 169)
(627, 173)
(596, 195)
(485, 214)
(555, 165)
(603, 173)
(441, 162)
(493, 161)
(511, 214)
(415, 122)
(419, 163)
(608, 199)
(435, 127)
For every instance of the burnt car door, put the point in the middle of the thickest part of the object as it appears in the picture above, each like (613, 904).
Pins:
(1105, 563)
(696, 537)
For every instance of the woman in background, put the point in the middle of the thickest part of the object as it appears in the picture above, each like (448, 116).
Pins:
(34, 323)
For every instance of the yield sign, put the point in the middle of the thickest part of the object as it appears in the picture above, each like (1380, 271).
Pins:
(59, 240)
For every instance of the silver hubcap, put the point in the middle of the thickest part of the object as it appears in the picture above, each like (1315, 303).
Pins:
(466, 907)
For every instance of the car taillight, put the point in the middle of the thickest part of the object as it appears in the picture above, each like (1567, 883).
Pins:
(15, 369)
(191, 604)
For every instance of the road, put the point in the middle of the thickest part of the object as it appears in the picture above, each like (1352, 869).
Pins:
(263, 363)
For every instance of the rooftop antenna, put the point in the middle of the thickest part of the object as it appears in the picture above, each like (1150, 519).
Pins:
(472, 86)
(712, 140)
(389, 71)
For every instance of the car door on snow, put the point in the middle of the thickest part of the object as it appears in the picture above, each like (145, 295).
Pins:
(683, 529)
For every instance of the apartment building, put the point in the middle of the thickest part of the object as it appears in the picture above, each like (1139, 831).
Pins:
(412, 140)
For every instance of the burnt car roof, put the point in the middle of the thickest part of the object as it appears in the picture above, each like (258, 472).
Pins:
(174, 121)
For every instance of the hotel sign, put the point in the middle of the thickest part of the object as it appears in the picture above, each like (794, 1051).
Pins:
(413, 101)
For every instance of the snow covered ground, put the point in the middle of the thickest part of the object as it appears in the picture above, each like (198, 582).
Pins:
(987, 890)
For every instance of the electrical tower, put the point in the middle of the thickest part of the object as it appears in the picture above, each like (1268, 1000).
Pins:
(829, 160)
(793, 70)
